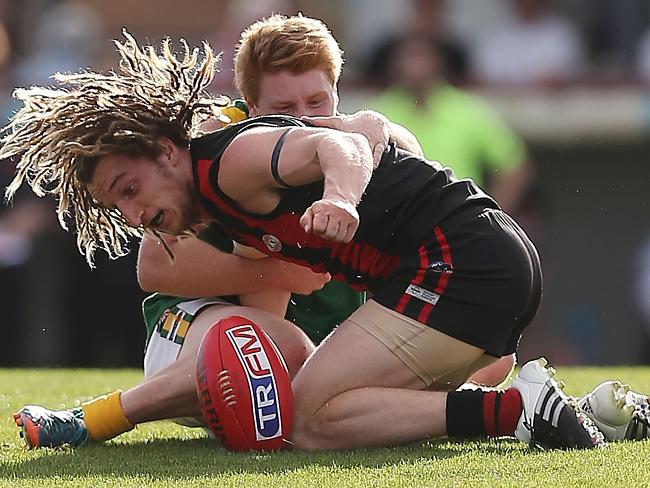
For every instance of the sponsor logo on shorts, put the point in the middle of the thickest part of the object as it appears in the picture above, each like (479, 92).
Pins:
(173, 325)
(261, 382)
(441, 267)
(272, 242)
(423, 294)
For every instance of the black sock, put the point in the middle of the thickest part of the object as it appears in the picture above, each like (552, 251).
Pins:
(483, 413)
(465, 414)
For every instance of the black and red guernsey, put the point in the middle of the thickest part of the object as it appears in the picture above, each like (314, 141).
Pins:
(407, 198)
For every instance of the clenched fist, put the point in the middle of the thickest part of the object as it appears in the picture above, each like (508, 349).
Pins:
(331, 219)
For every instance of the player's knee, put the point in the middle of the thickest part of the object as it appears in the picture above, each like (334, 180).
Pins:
(311, 432)
(509, 363)
(314, 428)
(495, 373)
(502, 369)
(296, 352)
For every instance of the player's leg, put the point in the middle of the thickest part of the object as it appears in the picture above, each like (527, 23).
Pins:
(619, 412)
(496, 372)
(169, 391)
(385, 402)
(356, 392)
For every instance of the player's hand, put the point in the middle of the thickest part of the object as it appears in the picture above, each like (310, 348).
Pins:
(300, 279)
(371, 124)
(332, 220)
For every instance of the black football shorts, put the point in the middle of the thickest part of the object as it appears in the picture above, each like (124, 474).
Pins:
(477, 278)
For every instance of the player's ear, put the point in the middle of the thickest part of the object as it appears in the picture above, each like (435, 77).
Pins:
(168, 151)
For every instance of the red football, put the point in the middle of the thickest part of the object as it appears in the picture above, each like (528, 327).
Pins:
(244, 387)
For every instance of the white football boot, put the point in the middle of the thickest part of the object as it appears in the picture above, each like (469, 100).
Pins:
(619, 412)
(550, 419)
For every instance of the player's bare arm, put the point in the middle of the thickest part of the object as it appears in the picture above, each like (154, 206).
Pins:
(273, 301)
(203, 262)
(375, 126)
(343, 160)
(404, 139)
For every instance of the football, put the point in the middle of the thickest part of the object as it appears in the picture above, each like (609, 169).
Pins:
(243, 387)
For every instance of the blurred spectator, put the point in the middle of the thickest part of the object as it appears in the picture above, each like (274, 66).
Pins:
(537, 47)
(453, 126)
(66, 38)
(427, 21)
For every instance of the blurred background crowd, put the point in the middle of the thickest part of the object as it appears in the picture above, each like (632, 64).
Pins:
(545, 103)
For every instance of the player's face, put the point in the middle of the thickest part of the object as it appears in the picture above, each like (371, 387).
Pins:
(152, 193)
(310, 93)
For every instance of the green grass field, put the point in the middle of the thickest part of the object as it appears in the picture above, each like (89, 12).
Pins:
(166, 455)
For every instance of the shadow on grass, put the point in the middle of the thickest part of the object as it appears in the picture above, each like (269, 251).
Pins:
(178, 459)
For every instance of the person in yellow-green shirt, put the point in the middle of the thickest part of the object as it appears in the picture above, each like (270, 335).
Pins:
(453, 126)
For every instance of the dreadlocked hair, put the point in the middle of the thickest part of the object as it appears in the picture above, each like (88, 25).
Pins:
(59, 135)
